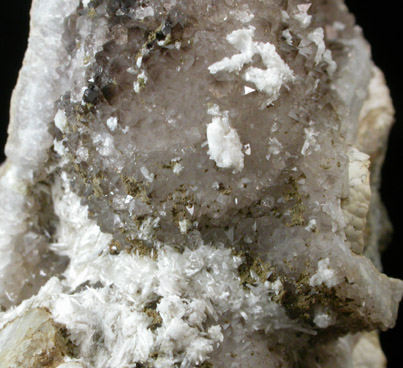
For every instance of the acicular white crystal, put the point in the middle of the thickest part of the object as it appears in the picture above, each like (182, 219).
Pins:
(302, 15)
(71, 365)
(112, 123)
(269, 80)
(59, 148)
(177, 168)
(324, 275)
(284, 16)
(287, 36)
(137, 289)
(61, 120)
(104, 143)
(184, 226)
(206, 276)
(323, 317)
(149, 176)
(310, 143)
(224, 145)
(322, 54)
(79, 238)
(275, 147)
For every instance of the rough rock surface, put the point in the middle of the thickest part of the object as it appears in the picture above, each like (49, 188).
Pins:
(195, 183)
(33, 340)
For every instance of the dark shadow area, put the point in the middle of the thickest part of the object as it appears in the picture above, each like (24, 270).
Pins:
(14, 27)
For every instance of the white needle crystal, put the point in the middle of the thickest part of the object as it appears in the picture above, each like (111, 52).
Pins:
(194, 184)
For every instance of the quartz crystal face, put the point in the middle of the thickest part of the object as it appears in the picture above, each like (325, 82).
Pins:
(205, 187)
(140, 152)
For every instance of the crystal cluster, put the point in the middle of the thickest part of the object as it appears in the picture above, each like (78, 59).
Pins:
(194, 183)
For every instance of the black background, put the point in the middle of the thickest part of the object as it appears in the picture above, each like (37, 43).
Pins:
(381, 22)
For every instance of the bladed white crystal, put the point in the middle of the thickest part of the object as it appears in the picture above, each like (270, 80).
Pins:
(269, 80)
(224, 145)
(161, 234)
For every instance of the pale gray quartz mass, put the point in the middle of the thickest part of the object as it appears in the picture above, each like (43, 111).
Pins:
(194, 183)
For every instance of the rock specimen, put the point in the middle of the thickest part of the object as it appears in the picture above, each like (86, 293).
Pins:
(33, 340)
(194, 183)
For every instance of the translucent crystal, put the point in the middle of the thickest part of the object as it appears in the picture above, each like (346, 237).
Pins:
(204, 189)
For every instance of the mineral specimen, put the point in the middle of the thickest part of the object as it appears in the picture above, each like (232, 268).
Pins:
(194, 183)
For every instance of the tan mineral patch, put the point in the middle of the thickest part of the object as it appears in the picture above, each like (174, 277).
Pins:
(356, 206)
(33, 340)
(367, 353)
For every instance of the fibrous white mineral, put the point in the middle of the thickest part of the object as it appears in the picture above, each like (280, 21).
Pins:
(112, 123)
(322, 54)
(269, 80)
(324, 275)
(194, 183)
(224, 145)
(60, 120)
(302, 15)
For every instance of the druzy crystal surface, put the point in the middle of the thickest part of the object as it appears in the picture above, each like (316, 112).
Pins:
(195, 184)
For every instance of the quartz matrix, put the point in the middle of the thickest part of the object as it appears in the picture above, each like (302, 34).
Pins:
(194, 183)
